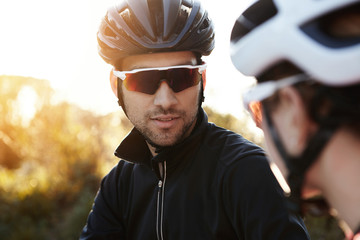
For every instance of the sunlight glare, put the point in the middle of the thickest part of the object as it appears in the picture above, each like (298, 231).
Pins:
(26, 102)
(280, 177)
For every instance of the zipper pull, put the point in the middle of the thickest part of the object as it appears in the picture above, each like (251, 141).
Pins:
(160, 183)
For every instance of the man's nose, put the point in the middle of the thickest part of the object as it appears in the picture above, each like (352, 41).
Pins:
(165, 96)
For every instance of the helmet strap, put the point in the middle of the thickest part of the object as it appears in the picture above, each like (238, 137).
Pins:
(202, 96)
(298, 165)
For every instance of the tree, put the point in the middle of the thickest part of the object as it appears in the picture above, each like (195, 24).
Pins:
(13, 134)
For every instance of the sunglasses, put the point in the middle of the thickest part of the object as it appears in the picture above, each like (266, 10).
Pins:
(147, 80)
(253, 97)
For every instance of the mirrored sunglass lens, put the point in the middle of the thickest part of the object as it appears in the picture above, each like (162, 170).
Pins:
(145, 82)
(255, 110)
(183, 78)
(148, 81)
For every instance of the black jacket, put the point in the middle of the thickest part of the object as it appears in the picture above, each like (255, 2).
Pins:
(216, 185)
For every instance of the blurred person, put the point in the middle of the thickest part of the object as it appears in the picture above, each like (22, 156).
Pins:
(305, 56)
(179, 176)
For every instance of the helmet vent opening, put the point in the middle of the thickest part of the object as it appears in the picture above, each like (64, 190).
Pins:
(205, 24)
(337, 29)
(109, 32)
(132, 22)
(254, 16)
(185, 9)
(156, 18)
(181, 21)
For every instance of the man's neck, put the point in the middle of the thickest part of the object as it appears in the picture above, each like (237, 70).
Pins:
(152, 149)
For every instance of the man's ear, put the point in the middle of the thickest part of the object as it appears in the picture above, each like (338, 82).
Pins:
(295, 119)
(113, 83)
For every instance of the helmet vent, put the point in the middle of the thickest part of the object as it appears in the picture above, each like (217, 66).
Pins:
(185, 10)
(183, 15)
(338, 29)
(109, 32)
(205, 24)
(254, 16)
(132, 22)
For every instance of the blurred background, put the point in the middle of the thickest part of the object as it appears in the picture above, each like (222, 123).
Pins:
(60, 122)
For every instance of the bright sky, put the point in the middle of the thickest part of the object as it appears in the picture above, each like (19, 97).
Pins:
(56, 40)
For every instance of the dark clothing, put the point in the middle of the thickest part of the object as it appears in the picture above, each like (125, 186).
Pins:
(216, 185)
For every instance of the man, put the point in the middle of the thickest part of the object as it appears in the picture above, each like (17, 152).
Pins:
(180, 177)
(306, 58)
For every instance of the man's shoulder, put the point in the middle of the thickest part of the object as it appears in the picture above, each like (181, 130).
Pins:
(230, 145)
(123, 168)
(220, 136)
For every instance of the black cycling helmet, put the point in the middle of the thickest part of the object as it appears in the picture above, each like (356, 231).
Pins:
(148, 26)
(272, 32)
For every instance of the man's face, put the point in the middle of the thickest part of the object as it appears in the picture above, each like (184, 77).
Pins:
(165, 117)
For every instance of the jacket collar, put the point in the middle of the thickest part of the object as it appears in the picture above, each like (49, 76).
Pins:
(134, 148)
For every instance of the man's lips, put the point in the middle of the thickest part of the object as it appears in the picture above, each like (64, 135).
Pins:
(165, 121)
(164, 117)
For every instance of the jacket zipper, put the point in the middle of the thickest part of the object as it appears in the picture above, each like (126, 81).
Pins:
(160, 202)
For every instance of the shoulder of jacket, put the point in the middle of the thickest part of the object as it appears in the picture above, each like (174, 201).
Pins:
(230, 146)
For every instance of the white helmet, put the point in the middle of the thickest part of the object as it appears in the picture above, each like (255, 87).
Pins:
(271, 31)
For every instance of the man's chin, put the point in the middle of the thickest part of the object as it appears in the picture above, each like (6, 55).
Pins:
(160, 142)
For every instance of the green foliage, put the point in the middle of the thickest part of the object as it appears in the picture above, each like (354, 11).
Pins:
(62, 152)
(25, 218)
(74, 219)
